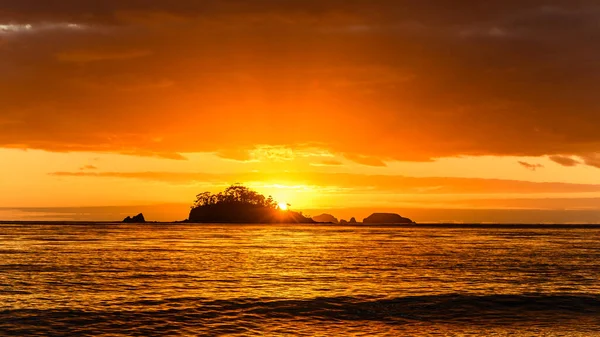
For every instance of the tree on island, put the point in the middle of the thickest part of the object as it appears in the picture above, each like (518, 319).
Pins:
(239, 204)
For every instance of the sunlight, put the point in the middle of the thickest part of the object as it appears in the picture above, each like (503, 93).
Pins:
(283, 206)
(299, 195)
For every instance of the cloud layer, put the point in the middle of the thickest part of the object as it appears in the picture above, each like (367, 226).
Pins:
(353, 183)
(374, 80)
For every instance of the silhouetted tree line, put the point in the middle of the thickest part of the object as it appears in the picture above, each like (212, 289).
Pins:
(235, 194)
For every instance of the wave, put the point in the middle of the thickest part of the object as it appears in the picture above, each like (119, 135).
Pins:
(497, 309)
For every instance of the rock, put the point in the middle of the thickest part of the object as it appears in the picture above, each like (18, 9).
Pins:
(387, 218)
(325, 218)
(343, 222)
(136, 219)
(353, 221)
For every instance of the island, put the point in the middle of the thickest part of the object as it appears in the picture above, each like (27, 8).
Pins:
(136, 219)
(239, 204)
(325, 218)
(387, 218)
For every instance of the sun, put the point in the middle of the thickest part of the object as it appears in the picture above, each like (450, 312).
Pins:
(283, 206)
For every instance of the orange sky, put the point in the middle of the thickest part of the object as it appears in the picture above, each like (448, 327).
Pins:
(324, 104)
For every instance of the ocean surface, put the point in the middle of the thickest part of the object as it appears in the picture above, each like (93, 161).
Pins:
(314, 280)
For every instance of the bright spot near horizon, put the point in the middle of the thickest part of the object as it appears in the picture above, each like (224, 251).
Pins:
(283, 206)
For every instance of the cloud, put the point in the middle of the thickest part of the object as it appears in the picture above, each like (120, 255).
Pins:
(237, 155)
(273, 153)
(358, 183)
(156, 212)
(84, 56)
(365, 160)
(564, 160)
(532, 167)
(328, 162)
(592, 160)
(531, 203)
(168, 177)
(28, 28)
(359, 77)
(436, 214)
(163, 155)
(88, 167)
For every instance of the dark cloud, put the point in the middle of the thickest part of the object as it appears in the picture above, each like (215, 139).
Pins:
(529, 166)
(408, 80)
(564, 160)
(95, 56)
(592, 160)
(382, 10)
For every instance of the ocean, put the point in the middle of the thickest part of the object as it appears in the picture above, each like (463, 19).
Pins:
(298, 280)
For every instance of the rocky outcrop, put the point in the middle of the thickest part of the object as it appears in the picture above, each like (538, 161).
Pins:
(327, 218)
(136, 219)
(343, 222)
(352, 221)
(386, 218)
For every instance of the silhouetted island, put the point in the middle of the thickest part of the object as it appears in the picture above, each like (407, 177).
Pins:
(239, 204)
(136, 219)
(346, 222)
(387, 218)
(327, 218)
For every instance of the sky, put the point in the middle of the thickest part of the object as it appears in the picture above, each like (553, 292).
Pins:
(339, 106)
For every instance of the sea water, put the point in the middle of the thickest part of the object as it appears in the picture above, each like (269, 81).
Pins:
(304, 280)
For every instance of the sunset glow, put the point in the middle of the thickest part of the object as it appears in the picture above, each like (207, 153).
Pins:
(326, 105)
(299, 167)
